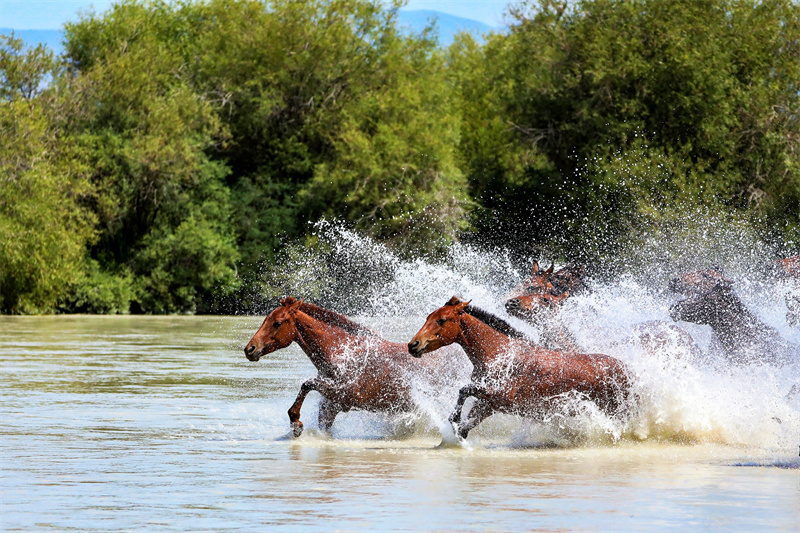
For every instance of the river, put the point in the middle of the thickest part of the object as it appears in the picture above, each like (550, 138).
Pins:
(160, 423)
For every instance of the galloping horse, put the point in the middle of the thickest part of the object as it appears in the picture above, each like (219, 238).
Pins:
(357, 368)
(514, 376)
(743, 336)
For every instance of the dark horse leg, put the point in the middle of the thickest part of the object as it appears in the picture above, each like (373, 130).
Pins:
(317, 384)
(465, 392)
(328, 409)
(479, 412)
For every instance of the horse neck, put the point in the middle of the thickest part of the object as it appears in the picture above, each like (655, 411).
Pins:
(333, 319)
(482, 343)
(319, 341)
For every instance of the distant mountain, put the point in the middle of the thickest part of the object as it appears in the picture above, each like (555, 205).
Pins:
(50, 38)
(415, 21)
(446, 25)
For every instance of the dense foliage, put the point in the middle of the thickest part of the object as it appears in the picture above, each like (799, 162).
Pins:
(178, 146)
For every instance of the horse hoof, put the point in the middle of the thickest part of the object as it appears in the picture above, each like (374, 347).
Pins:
(454, 419)
(297, 429)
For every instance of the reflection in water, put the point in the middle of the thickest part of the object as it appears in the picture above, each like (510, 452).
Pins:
(112, 423)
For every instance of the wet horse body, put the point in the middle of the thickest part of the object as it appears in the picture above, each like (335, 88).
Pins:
(515, 376)
(743, 336)
(357, 369)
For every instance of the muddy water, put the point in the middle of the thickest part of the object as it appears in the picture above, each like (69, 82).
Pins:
(145, 423)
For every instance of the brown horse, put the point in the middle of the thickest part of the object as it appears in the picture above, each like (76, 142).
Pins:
(357, 368)
(514, 376)
(537, 301)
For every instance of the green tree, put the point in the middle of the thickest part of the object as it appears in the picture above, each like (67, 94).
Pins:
(702, 94)
(44, 229)
(394, 171)
(164, 210)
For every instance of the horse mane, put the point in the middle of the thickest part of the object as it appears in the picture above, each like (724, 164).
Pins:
(333, 318)
(495, 322)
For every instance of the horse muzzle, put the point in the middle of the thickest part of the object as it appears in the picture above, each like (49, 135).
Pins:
(515, 308)
(252, 353)
(415, 349)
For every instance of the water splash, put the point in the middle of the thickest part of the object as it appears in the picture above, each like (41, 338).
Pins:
(685, 394)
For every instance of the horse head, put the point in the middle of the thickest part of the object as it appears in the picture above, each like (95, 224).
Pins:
(442, 327)
(538, 282)
(699, 281)
(531, 306)
(277, 331)
(706, 307)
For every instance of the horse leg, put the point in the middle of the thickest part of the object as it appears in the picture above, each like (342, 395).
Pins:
(479, 412)
(465, 392)
(316, 384)
(328, 410)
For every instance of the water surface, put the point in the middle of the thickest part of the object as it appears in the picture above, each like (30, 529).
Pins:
(160, 423)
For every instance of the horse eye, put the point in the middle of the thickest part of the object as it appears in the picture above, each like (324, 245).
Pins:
(276, 325)
(441, 321)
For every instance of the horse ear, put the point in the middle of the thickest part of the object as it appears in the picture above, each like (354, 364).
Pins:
(296, 305)
(287, 301)
(461, 307)
(535, 267)
(563, 296)
(453, 301)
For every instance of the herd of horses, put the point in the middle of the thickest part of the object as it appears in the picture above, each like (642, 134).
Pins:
(359, 370)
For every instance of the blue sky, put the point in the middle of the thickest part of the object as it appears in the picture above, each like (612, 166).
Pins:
(52, 14)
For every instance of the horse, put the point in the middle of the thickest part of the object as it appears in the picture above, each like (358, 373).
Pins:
(514, 376)
(537, 301)
(743, 336)
(357, 368)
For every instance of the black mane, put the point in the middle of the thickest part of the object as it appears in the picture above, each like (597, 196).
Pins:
(333, 318)
(495, 322)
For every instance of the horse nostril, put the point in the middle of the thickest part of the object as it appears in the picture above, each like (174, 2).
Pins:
(413, 346)
(249, 349)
